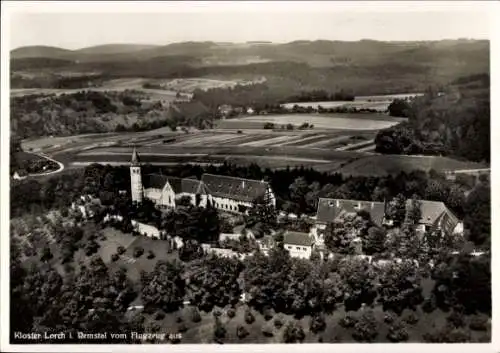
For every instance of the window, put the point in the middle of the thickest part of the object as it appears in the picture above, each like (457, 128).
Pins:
(289, 247)
(305, 249)
(297, 247)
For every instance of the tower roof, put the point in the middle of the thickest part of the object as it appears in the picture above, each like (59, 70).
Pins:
(135, 158)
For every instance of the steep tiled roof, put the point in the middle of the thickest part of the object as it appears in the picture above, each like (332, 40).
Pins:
(297, 238)
(436, 212)
(330, 209)
(154, 181)
(431, 210)
(158, 181)
(240, 189)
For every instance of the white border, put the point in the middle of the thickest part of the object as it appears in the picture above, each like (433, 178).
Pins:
(10, 7)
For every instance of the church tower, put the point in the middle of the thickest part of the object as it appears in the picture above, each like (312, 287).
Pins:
(135, 178)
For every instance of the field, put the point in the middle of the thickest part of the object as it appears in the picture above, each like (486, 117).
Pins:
(134, 266)
(323, 121)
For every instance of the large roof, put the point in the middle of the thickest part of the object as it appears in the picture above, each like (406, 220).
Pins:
(434, 211)
(158, 181)
(330, 209)
(298, 238)
(154, 181)
(240, 189)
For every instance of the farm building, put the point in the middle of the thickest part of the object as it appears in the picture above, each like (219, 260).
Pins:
(225, 193)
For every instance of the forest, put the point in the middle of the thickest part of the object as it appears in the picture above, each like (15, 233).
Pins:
(456, 123)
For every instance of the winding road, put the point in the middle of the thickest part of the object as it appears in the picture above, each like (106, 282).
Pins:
(42, 155)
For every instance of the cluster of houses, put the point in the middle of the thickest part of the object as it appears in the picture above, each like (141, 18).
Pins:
(236, 195)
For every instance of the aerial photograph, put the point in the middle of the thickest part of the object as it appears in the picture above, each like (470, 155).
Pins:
(249, 177)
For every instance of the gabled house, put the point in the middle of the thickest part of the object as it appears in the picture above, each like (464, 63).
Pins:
(330, 210)
(298, 244)
(434, 215)
(232, 194)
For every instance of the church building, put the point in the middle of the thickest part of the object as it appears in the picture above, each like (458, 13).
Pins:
(229, 194)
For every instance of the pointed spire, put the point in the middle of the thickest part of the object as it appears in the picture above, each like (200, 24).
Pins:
(135, 157)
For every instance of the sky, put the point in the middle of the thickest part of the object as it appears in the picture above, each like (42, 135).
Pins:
(88, 25)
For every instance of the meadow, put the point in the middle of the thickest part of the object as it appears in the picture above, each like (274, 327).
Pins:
(323, 121)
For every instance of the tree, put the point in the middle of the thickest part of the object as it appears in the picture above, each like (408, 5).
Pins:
(46, 254)
(138, 251)
(399, 108)
(293, 333)
(241, 332)
(358, 281)
(317, 323)
(214, 281)
(190, 251)
(477, 221)
(400, 287)
(374, 242)
(396, 209)
(166, 288)
(464, 283)
(219, 331)
(298, 191)
(414, 213)
(366, 330)
(397, 332)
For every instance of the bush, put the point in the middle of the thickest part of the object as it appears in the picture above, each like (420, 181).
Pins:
(178, 319)
(478, 323)
(397, 333)
(241, 332)
(388, 318)
(365, 330)
(219, 331)
(293, 333)
(317, 323)
(160, 315)
(151, 254)
(115, 257)
(120, 250)
(429, 305)
(182, 327)
(411, 319)
(249, 317)
(456, 319)
(278, 322)
(138, 251)
(239, 132)
(348, 321)
(216, 313)
(231, 313)
(267, 331)
(195, 315)
(268, 314)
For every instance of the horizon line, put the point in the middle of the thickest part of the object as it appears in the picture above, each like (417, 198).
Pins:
(256, 42)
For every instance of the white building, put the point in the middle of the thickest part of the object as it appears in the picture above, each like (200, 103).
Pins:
(298, 244)
(225, 193)
(146, 229)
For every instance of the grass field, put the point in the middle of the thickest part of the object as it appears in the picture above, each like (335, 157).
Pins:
(393, 164)
(134, 266)
(323, 121)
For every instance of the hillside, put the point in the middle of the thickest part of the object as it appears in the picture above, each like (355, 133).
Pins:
(455, 123)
